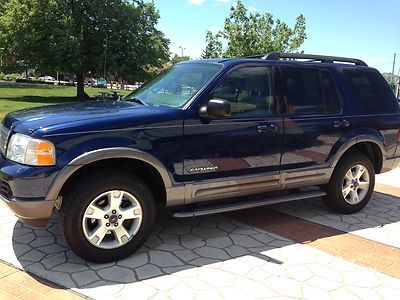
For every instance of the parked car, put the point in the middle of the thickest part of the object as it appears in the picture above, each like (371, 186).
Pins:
(137, 85)
(208, 136)
(46, 78)
(100, 83)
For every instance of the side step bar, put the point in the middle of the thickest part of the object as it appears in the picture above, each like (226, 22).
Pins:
(222, 208)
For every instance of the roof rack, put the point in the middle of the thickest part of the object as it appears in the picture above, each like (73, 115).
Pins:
(310, 57)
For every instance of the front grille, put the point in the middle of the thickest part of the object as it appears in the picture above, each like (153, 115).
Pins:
(4, 135)
(5, 190)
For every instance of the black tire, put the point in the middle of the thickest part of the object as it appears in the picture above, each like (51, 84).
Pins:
(83, 192)
(334, 198)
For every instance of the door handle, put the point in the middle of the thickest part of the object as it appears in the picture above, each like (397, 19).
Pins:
(270, 127)
(262, 128)
(341, 124)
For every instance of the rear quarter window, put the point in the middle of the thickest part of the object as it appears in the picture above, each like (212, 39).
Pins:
(372, 92)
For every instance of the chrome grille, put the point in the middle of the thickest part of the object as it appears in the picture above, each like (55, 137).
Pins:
(4, 134)
(5, 190)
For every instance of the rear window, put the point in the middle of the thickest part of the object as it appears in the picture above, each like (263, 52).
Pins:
(372, 91)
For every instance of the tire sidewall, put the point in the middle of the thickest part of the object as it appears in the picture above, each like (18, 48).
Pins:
(335, 198)
(73, 228)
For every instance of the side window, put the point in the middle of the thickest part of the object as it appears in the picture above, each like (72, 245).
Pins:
(372, 91)
(250, 91)
(331, 96)
(309, 91)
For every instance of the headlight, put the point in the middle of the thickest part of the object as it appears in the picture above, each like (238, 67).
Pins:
(29, 151)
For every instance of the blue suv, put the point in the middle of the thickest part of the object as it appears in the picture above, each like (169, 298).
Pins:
(206, 136)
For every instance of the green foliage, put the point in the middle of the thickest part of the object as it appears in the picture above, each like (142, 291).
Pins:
(2, 76)
(249, 33)
(177, 59)
(391, 80)
(12, 76)
(73, 36)
(213, 48)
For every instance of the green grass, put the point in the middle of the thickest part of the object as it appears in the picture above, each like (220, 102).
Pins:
(18, 96)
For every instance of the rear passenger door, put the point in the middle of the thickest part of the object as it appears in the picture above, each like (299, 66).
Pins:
(314, 116)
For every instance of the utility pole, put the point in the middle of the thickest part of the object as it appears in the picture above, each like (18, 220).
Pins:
(394, 63)
(182, 50)
(105, 58)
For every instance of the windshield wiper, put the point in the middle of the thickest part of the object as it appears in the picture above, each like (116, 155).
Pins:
(137, 100)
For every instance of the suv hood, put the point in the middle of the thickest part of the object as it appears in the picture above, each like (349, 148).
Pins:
(69, 115)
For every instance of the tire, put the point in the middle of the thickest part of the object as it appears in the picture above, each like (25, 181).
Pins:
(92, 203)
(343, 185)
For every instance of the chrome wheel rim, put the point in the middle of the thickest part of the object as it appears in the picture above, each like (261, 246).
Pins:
(112, 219)
(355, 184)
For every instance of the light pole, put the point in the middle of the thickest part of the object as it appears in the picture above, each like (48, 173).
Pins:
(182, 50)
(394, 63)
(1, 57)
(105, 58)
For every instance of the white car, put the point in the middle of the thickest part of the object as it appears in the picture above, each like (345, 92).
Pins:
(47, 78)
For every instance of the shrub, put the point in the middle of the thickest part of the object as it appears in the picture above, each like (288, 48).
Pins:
(12, 76)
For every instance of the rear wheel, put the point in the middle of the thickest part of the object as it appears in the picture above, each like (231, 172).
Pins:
(351, 185)
(108, 216)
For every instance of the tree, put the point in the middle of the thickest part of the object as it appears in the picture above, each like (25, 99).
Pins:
(248, 33)
(213, 48)
(391, 80)
(177, 59)
(82, 36)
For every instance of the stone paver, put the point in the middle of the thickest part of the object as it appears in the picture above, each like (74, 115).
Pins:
(378, 221)
(215, 257)
(214, 260)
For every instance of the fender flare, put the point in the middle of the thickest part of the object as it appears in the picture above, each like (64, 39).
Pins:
(102, 154)
(357, 140)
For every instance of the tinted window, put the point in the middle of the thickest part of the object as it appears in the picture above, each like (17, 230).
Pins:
(177, 85)
(250, 91)
(372, 91)
(309, 92)
(329, 90)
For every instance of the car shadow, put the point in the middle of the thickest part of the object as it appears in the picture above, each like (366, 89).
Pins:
(375, 221)
(184, 244)
(175, 245)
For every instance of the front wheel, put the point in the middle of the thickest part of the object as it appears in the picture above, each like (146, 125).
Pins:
(108, 216)
(351, 185)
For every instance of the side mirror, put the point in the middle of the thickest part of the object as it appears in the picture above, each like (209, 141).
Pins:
(215, 108)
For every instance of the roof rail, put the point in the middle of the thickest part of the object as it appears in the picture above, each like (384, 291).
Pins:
(311, 57)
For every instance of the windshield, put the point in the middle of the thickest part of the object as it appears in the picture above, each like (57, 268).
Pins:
(176, 86)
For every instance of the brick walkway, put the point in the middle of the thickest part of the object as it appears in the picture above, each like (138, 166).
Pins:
(16, 284)
(353, 248)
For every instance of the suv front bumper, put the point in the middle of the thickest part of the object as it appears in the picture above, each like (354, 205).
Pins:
(35, 213)
(23, 189)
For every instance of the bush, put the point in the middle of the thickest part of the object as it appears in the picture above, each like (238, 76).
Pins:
(11, 77)
(2, 76)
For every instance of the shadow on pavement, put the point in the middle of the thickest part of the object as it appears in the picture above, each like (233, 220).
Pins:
(183, 244)
(382, 210)
(175, 245)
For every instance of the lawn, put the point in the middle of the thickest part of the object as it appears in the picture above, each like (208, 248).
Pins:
(18, 96)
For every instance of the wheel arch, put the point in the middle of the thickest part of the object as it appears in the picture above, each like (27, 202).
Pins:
(370, 146)
(140, 163)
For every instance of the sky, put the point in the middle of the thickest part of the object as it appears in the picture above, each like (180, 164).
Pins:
(365, 29)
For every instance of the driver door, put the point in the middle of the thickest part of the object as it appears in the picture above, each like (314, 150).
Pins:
(241, 152)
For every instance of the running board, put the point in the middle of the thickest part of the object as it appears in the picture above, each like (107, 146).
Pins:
(215, 209)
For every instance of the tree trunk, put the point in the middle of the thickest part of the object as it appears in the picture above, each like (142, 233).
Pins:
(80, 88)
